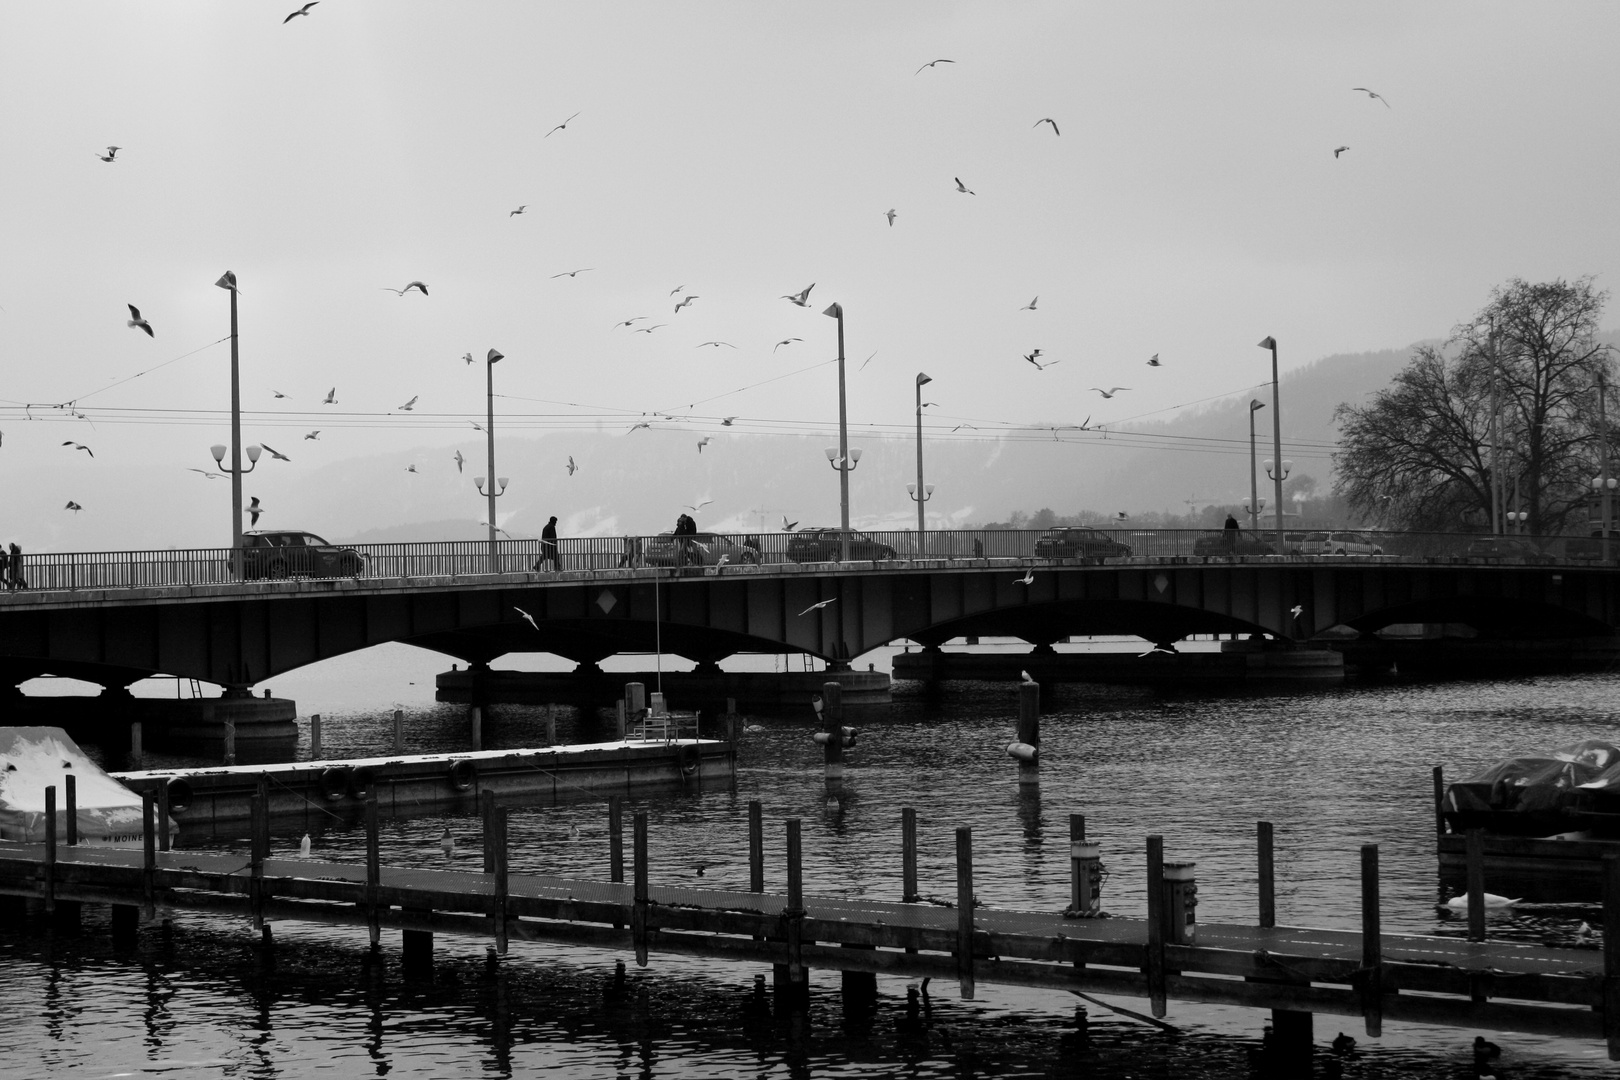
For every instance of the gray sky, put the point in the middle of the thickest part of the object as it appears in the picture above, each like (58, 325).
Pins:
(1191, 205)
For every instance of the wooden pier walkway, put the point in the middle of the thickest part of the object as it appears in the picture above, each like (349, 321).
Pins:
(1294, 971)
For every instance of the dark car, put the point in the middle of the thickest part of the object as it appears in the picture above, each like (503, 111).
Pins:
(1078, 542)
(826, 545)
(1507, 547)
(297, 554)
(700, 549)
(1231, 542)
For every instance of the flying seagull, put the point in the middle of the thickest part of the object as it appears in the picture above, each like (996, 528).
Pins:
(278, 393)
(519, 210)
(813, 607)
(890, 215)
(254, 510)
(701, 504)
(409, 405)
(702, 443)
(407, 288)
(930, 64)
(467, 357)
(1031, 305)
(627, 322)
(650, 329)
(410, 468)
(459, 460)
(526, 616)
(788, 526)
(801, 298)
(1122, 515)
(716, 344)
(1031, 357)
(571, 273)
(785, 341)
(301, 11)
(962, 187)
(80, 446)
(1110, 392)
(1048, 120)
(572, 468)
(75, 507)
(1297, 610)
(316, 434)
(1027, 579)
(331, 397)
(273, 452)
(137, 322)
(112, 152)
(1372, 94)
(685, 300)
(643, 424)
(560, 127)
(1153, 361)
(726, 421)
(208, 475)
(868, 360)
(1337, 150)
(677, 289)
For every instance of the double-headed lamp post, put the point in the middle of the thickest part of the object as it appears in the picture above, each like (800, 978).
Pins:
(1255, 405)
(1269, 342)
(227, 281)
(920, 493)
(1603, 483)
(842, 459)
(497, 485)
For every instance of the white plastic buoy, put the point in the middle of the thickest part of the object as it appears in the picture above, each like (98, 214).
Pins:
(447, 843)
(1460, 903)
(303, 847)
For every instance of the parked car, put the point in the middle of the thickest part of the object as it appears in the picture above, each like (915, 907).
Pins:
(1231, 542)
(1078, 542)
(826, 545)
(1339, 543)
(297, 554)
(700, 549)
(1592, 547)
(1507, 547)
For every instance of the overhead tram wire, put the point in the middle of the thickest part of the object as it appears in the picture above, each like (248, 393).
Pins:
(65, 402)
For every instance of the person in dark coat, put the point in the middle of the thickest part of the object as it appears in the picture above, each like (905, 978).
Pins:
(1230, 529)
(684, 527)
(14, 578)
(548, 546)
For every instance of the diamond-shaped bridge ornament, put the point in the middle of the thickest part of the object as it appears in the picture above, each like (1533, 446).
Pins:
(1161, 583)
(606, 601)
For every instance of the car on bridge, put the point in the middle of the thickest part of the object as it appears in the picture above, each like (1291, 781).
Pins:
(1079, 542)
(1338, 543)
(1507, 547)
(700, 549)
(826, 545)
(1231, 542)
(285, 554)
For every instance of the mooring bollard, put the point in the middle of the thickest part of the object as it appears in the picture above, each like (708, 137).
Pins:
(830, 709)
(137, 758)
(1027, 749)
(477, 724)
(230, 741)
(399, 731)
(1180, 903)
(1085, 872)
(315, 737)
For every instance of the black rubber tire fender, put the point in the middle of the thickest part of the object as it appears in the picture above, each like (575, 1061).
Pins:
(335, 782)
(362, 780)
(180, 794)
(463, 774)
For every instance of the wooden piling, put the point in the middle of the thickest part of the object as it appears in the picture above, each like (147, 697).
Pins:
(756, 846)
(1475, 869)
(72, 809)
(1439, 804)
(908, 856)
(1029, 731)
(733, 721)
(315, 737)
(1268, 874)
(230, 741)
(793, 913)
(621, 724)
(373, 867)
(551, 725)
(1157, 991)
(137, 757)
(1372, 946)
(1077, 868)
(259, 846)
(476, 723)
(832, 714)
(964, 910)
(616, 839)
(148, 855)
(638, 911)
(486, 820)
(1611, 954)
(399, 731)
(126, 922)
(163, 838)
(50, 849)
(499, 816)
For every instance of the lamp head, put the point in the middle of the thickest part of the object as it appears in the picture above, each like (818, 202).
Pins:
(500, 482)
(218, 450)
(928, 489)
(1268, 342)
(227, 281)
(923, 378)
(494, 355)
(835, 310)
(854, 453)
(478, 482)
(911, 489)
(1266, 465)
(1256, 404)
(253, 453)
(831, 452)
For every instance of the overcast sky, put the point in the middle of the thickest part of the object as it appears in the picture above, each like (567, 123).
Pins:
(1191, 205)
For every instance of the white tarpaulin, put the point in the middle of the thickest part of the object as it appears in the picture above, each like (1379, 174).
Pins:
(34, 758)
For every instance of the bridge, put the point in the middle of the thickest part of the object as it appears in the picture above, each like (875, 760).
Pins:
(114, 618)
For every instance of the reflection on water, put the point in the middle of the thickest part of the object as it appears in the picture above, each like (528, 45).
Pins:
(1331, 770)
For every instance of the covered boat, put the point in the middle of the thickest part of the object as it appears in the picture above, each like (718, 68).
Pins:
(35, 758)
(1575, 787)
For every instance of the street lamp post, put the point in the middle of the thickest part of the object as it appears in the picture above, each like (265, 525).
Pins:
(1255, 405)
(1276, 439)
(1604, 482)
(842, 461)
(497, 486)
(920, 494)
(227, 282)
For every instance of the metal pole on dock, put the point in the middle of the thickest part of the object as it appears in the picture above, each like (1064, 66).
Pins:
(1372, 946)
(477, 724)
(756, 846)
(797, 979)
(1268, 875)
(1027, 750)
(616, 839)
(399, 731)
(964, 910)
(908, 856)
(136, 757)
(148, 855)
(50, 849)
(373, 868)
(230, 741)
(315, 737)
(1155, 926)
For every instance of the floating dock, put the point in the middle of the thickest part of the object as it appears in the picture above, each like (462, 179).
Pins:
(1237, 666)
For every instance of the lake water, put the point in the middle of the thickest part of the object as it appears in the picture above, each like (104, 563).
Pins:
(1331, 769)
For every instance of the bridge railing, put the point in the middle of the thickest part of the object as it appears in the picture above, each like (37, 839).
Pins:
(186, 567)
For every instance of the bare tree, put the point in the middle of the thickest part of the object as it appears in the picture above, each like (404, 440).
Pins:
(1419, 456)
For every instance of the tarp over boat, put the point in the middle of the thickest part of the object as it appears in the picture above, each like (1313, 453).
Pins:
(1547, 792)
(34, 758)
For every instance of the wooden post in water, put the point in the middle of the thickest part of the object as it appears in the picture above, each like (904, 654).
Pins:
(638, 911)
(964, 911)
(1474, 839)
(621, 725)
(72, 784)
(477, 724)
(1439, 806)
(1029, 733)
(1268, 875)
(908, 856)
(373, 868)
(756, 846)
(486, 818)
(50, 849)
(733, 721)
(230, 740)
(399, 731)
(551, 725)
(792, 981)
(1611, 954)
(137, 759)
(163, 839)
(1372, 946)
(616, 839)
(1155, 926)
(148, 856)
(499, 815)
(259, 847)
(315, 737)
